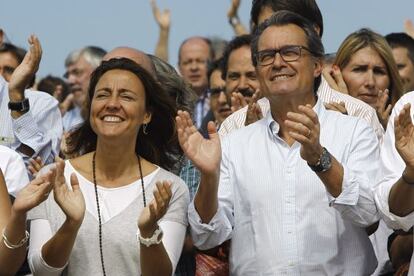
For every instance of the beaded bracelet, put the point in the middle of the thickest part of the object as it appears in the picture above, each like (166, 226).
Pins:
(9, 245)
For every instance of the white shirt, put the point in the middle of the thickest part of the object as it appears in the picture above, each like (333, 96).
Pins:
(72, 118)
(393, 167)
(354, 107)
(14, 170)
(276, 210)
(40, 128)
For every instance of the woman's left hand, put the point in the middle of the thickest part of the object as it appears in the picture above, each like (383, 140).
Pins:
(383, 110)
(147, 222)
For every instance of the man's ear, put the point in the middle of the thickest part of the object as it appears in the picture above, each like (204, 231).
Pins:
(318, 67)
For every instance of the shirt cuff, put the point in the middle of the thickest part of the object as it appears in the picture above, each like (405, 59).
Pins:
(350, 190)
(209, 235)
(25, 129)
(393, 221)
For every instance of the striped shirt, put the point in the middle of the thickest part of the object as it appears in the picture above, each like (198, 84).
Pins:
(278, 213)
(40, 128)
(355, 107)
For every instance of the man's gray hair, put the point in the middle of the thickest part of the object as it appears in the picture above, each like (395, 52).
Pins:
(92, 54)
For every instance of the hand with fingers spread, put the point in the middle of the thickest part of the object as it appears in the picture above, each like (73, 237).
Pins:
(305, 129)
(35, 165)
(163, 18)
(409, 27)
(340, 107)
(404, 136)
(25, 72)
(333, 76)
(155, 210)
(33, 194)
(237, 101)
(383, 110)
(254, 112)
(69, 199)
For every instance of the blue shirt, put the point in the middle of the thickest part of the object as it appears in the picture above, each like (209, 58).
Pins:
(40, 128)
(72, 118)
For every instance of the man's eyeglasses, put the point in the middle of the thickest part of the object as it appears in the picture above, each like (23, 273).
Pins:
(287, 53)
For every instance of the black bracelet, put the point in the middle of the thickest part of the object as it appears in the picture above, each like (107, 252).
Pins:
(405, 180)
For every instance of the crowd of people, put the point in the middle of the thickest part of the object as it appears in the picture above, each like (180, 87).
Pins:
(262, 155)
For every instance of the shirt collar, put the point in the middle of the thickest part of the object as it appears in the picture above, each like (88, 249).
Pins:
(274, 127)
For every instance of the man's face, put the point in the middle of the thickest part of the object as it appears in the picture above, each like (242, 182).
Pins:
(193, 63)
(282, 78)
(78, 75)
(405, 67)
(7, 65)
(219, 101)
(241, 74)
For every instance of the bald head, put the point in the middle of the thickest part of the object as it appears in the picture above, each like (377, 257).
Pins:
(138, 56)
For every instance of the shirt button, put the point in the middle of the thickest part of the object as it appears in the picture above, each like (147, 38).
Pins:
(18, 129)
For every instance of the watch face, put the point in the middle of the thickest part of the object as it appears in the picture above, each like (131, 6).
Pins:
(325, 160)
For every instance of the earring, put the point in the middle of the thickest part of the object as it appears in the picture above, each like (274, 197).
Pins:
(144, 129)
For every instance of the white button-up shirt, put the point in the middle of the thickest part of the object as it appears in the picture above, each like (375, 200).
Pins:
(13, 169)
(392, 165)
(40, 128)
(276, 210)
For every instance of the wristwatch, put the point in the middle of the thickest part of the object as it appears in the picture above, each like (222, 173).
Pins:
(22, 106)
(324, 163)
(155, 239)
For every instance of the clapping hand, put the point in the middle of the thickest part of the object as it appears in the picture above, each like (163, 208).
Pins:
(24, 73)
(404, 136)
(340, 107)
(35, 165)
(69, 199)
(153, 212)
(204, 153)
(333, 76)
(383, 110)
(305, 129)
(254, 113)
(33, 194)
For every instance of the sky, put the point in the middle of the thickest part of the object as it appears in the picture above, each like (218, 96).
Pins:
(63, 26)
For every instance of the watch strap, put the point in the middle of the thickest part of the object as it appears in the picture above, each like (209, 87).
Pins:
(22, 106)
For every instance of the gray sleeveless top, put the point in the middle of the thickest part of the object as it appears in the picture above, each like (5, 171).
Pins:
(120, 247)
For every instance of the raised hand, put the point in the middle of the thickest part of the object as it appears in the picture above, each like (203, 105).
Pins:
(232, 12)
(163, 18)
(69, 199)
(35, 165)
(153, 212)
(404, 136)
(333, 76)
(340, 107)
(305, 129)
(24, 73)
(409, 27)
(237, 101)
(33, 194)
(383, 110)
(204, 153)
(254, 113)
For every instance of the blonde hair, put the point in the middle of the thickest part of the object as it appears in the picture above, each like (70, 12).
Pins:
(367, 38)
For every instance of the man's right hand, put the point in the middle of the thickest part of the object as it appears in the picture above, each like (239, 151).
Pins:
(404, 136)
(204, 153)
(24, 73)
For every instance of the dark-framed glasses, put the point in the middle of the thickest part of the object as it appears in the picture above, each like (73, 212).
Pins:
(288, 53)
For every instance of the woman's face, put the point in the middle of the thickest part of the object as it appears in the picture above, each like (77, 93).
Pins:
(118, 105)
(366, 74)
